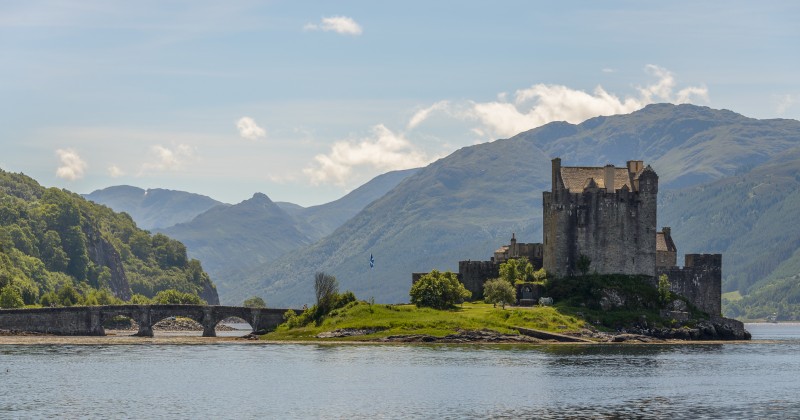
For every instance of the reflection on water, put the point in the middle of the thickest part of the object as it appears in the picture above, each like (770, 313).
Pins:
(397, 381)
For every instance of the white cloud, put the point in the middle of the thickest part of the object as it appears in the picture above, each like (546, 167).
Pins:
(424, 113)
(166, 159)
(248, 129)
(72, 166)
(339, 24)
(114, 171)
(541, 104)
(784, 102)
(608, 70)
(382, 151)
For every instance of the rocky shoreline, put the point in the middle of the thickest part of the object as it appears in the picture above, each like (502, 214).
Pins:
(714, 330)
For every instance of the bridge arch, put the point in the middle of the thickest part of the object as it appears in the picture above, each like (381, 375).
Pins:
(89, 320)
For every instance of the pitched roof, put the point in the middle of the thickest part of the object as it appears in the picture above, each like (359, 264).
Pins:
(665, 243)
(577, 177)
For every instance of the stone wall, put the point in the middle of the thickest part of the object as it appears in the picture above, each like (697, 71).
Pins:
(58, 321)
(474, 273)
(699, 281)
(615, 229)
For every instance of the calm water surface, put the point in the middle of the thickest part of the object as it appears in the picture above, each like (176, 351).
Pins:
(754, 380)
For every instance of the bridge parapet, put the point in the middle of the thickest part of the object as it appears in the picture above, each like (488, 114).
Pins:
(88, 320)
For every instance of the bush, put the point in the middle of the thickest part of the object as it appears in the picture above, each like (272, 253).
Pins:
(174, 297)
(10, 298)
(254, 302)
(138, 299)
(438, 290)
(499, 291)
(663, 288)
(68, 296)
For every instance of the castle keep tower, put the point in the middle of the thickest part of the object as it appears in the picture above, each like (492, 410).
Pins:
(607, 214)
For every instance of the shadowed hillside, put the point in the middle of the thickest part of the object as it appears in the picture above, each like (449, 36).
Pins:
(154, 208)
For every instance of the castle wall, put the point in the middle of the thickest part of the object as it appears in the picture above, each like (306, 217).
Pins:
(699, 281)
(665, 259)
(615, 230)
(474, 273)
(609, 218)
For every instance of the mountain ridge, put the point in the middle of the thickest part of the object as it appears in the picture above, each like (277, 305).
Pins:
(465, 205)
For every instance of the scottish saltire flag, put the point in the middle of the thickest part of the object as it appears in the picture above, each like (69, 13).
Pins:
(371, 261)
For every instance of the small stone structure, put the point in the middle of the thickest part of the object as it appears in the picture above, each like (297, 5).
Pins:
(666, 251)
(89, 320)
(699, 281)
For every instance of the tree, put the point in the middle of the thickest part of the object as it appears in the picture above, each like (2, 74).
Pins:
(663, 288)
(68, 296)
(138, 299)
(517, 269)
(540, 275)
(583, 264)
(499, 291)
(174, 297)
(10, 298)
(438, 290)
(254, 302)
(326, 288)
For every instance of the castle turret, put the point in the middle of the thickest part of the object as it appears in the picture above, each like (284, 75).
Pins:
(513, 251)
(556, 175)
(608, 178)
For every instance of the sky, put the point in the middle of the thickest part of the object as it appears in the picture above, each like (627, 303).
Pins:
(305, 101)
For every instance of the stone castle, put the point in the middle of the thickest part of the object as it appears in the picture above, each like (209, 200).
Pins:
(606, 215)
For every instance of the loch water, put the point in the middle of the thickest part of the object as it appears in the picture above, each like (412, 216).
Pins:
(748, 380)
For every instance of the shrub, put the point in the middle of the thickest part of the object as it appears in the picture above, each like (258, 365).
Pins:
(173, 297)
(68, 296)
(438, 290)
(254, 302)
(10, 298)
(138, 299)
(499, 291)
(663, 288)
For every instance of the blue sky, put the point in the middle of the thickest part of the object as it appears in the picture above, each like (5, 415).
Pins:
(305, 101)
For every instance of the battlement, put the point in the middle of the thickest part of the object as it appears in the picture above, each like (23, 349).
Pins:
(699, 281)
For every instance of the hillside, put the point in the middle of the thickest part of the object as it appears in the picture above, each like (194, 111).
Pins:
(751, 219)
(465, 205)
(153, 208)
(325, 218)
(51, 239)
(232, 239)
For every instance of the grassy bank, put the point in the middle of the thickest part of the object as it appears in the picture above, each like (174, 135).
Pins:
(388, 320)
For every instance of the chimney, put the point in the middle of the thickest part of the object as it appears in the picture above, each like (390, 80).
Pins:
(666, 231)
(635, 166)
(608, 178)
(556, 173)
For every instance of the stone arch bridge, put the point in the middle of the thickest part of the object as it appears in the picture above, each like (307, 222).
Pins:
(89, 320)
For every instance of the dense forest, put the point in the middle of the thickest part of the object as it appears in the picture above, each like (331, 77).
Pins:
(58, 248)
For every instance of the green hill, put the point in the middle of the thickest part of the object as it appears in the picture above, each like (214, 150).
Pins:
(51, 239)
(465, 205)
(232, 239)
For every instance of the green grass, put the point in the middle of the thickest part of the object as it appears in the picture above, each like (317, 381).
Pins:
(732, 296)
(410, 320)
